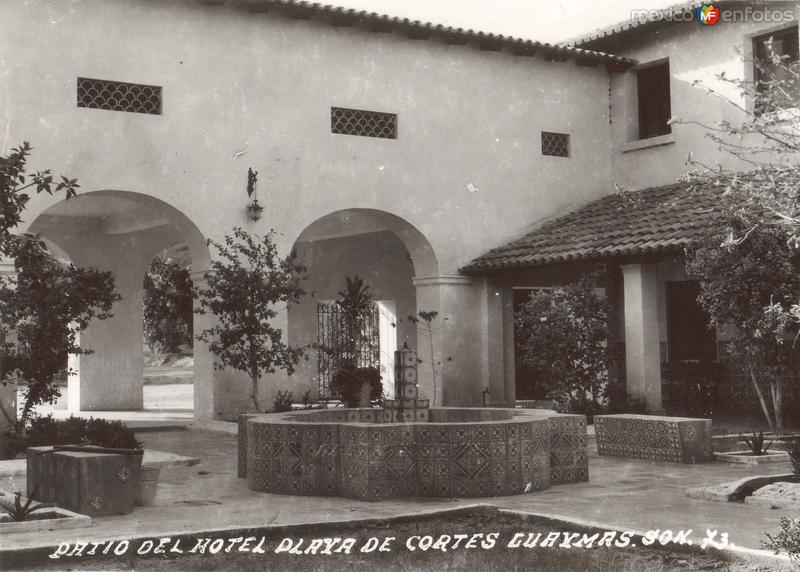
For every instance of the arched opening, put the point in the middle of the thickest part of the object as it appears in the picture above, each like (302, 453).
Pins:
(384, 250)
(168, 331)
(121, 232)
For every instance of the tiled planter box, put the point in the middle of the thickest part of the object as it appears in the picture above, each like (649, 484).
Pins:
(45, 520)
(458, 453)
(654, 438)
(91, 482)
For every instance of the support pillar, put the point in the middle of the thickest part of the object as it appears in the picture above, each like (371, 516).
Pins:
(111, 377)
(203, 360)
(642, 352)
(459, 349)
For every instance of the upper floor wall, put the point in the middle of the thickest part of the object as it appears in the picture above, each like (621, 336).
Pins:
(244, 89)
(691, 53)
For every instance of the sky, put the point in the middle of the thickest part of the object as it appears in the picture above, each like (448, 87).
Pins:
(532, 19)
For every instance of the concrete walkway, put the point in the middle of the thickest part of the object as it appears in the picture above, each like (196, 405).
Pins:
(630, 494)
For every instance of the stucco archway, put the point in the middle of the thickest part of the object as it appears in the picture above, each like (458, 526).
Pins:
(121, 231)
(388, 252)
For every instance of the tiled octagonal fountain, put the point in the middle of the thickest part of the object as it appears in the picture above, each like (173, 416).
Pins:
(407, 449)
(455, 453)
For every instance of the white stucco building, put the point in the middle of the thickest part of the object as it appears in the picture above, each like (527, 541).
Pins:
(399, 151)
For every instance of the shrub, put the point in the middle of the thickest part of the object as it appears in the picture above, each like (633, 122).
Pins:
(282, 402)
(787, 541)
(308, 403)
(348, 381)
(167, 306)
(46, 431)
(620, 401)
(794, 455)
(114, 434)
(563, 335)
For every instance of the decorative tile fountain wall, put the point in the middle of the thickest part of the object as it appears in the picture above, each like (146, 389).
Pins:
(456, 453)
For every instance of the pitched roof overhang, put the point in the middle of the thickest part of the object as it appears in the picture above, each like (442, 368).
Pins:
(418, 30)
(658, 220)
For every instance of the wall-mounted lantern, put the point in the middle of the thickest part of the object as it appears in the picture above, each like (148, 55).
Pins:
(254, 208)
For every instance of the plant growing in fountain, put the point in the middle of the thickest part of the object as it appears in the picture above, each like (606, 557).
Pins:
(424, 320)
(248, 285)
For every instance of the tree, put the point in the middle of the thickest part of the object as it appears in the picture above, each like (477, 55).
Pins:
(763, 192)
(765, 140)
(14, 193)
(246, 284)
(48, 303)
(749, 279)
(564, 336)
(167, 305)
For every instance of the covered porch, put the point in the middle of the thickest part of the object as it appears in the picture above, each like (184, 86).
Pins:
(669, 358)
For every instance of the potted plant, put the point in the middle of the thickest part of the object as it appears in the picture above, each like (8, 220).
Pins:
(357, 386)
(357, 379)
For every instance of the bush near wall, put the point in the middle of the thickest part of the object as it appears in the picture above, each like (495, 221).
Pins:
(46, 431)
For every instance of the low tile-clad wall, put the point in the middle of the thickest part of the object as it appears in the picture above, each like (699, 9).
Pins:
(481, 459)
(674, 439)
(569, 462)
(377, 462)
(241, 453)
(459, 453)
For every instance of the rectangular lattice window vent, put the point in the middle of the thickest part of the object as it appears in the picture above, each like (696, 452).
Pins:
(363, 123)
(555, 144)
(119, 96)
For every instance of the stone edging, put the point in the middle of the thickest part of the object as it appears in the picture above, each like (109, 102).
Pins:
(736, 491)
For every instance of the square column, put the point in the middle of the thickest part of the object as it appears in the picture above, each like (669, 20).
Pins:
(642, 352)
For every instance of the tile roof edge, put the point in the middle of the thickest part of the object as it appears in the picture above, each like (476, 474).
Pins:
(486, 264)
(397, 23)
(478, 269)
(657, 16)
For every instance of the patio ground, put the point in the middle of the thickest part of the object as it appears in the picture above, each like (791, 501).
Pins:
(622, 493)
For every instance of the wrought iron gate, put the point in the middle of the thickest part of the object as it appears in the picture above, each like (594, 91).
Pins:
(341, 340)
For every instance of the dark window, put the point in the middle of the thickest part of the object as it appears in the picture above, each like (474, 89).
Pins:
(363, 123)
(555, 144)
(119, 96)
(654, 101)
(769, 74)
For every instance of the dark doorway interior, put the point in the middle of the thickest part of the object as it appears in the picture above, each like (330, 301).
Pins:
(690, 377)
(690, 338)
